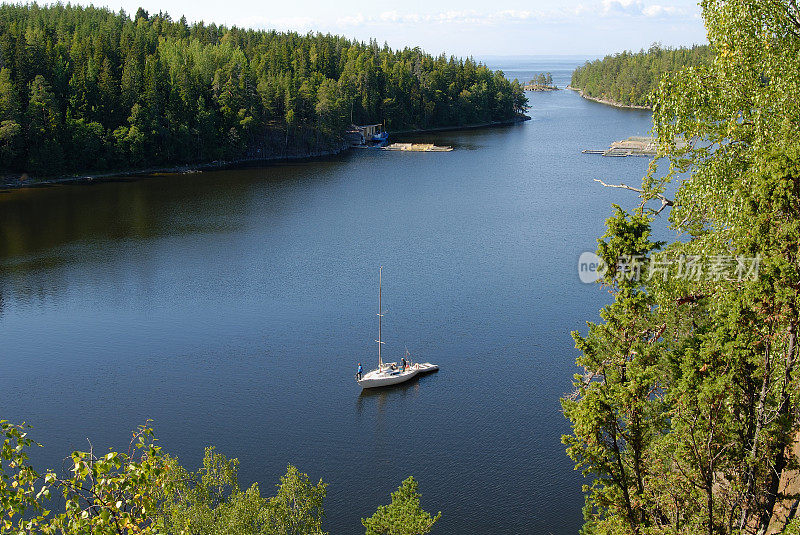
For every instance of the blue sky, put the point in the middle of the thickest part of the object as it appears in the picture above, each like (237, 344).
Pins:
(462, 27)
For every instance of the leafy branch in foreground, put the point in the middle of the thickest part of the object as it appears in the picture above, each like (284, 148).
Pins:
(145, 491)
(113, 493)
(19, 482)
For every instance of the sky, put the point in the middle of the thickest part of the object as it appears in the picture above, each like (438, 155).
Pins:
(476, 28)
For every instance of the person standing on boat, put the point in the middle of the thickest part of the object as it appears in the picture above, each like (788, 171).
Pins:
(403, 360)
(360, 370)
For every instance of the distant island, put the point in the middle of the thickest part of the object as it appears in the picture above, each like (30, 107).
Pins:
(629, 79)
(87, 90)
(541, 82)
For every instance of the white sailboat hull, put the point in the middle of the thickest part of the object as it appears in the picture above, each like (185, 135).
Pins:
(386, 377)
(426, 367)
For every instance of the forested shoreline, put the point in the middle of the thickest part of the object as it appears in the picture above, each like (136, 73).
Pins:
(88, 90)
(630, 79)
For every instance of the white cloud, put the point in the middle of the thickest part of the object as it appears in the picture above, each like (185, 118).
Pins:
(352, 20)
(512, 14)
(454, 17)
(390, 16)
(662, 11)
(581, 12)
(626, 7)
(580, 9)
(637, 8)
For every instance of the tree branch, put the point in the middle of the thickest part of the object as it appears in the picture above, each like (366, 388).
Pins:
(664, 201)
(794, 14)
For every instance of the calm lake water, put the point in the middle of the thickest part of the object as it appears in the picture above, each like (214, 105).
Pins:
(231, 307)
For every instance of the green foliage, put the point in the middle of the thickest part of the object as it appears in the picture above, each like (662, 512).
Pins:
(210, 501)
(793, 528)
(297, 508)
(632, 78)
(20, 489)
(615, 417)
(543, 79)
(145, 491)
(90, 90)
(403, 516)
(111, 494)
(10, 141)
(44, 128)
(686, 412)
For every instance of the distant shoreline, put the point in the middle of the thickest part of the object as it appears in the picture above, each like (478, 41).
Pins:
(608, 102)
(14, 182)
(11, 183)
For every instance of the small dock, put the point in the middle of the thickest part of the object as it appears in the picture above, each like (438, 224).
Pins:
(633, 146)
(417, 147)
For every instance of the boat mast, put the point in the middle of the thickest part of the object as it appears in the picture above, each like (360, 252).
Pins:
(380, 316)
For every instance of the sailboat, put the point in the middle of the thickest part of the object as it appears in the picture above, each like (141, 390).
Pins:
(389, 373)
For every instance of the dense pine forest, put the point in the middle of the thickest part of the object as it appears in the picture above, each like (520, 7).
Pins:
(631, 78)
(85, 89)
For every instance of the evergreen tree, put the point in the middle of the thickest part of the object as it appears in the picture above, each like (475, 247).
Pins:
(44, 128)
(166, 93)
(403, 516)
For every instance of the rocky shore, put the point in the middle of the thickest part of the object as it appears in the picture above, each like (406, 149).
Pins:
(608, 102)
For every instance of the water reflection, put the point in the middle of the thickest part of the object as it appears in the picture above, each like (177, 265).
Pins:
(382, 413)
(384, 396)
(46, 233)
(140, 208)
(470, 140)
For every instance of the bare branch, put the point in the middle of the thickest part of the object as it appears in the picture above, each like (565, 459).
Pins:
(621, 186)
(664, 201)
(793, 14)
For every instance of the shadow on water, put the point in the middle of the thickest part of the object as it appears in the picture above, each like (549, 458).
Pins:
(48, 232)
(386, 394)
(143, 207)
(470, 140)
